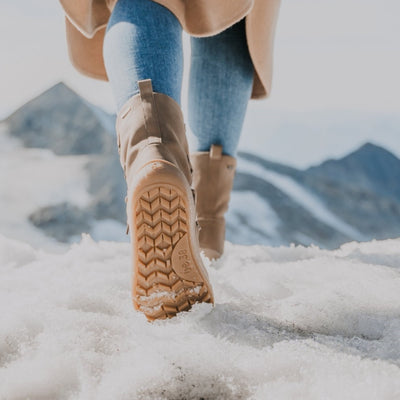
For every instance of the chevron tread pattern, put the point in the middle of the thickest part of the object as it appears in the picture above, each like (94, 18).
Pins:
(161, 221)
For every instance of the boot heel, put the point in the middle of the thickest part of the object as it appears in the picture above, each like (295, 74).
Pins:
(168, 274)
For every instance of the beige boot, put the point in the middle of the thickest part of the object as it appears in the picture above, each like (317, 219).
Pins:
(168, 273)
(213, 175)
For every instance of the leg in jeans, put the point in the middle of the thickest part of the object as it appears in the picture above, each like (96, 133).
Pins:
(220, 84)
(143, 57)
(143, 40)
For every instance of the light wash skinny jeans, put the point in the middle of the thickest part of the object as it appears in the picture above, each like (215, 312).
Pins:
(144, 40)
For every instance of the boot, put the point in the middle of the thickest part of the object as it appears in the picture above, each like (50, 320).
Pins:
(168, 273)
(213, 175)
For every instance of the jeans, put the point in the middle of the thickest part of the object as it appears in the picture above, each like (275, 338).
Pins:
(144, 40)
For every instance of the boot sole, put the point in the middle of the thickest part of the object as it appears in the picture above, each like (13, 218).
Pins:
(168, 273)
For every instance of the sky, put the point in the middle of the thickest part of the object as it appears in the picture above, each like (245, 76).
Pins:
(335, 84)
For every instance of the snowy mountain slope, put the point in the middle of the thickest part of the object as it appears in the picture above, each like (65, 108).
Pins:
(272, 203)
(289, 322)
(352, 198)
(367, 168)
(56, 155)
(32, 179)
(361, 188)
(47, 200)
(301, 196)
(61, 121)
(295, 224)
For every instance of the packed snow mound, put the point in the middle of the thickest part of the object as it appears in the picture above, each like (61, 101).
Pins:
(289, 322)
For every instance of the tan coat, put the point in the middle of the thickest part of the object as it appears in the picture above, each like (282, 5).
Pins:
(87, 20)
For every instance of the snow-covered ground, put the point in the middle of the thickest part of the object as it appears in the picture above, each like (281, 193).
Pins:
(288, 323)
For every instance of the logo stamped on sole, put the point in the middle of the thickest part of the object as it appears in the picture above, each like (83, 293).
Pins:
(182, 262)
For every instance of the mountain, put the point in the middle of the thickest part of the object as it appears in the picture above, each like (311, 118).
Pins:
(356, 197)
(352, 198)
(362, 188)
(61, 121)
(371, 168)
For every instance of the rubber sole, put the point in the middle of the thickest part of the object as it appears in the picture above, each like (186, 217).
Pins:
(168, 273)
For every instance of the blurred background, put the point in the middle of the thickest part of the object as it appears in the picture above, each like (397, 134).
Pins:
(318, 163)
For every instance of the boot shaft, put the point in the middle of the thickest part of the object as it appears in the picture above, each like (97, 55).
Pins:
(213, 175)
(150, 126)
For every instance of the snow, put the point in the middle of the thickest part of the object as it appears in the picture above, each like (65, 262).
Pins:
(48, 180)
(109, 229)
(252, 231)
(289, 322)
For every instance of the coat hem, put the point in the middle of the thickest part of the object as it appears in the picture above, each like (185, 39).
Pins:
(91, 34)
(86, 34)
(222, 26)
